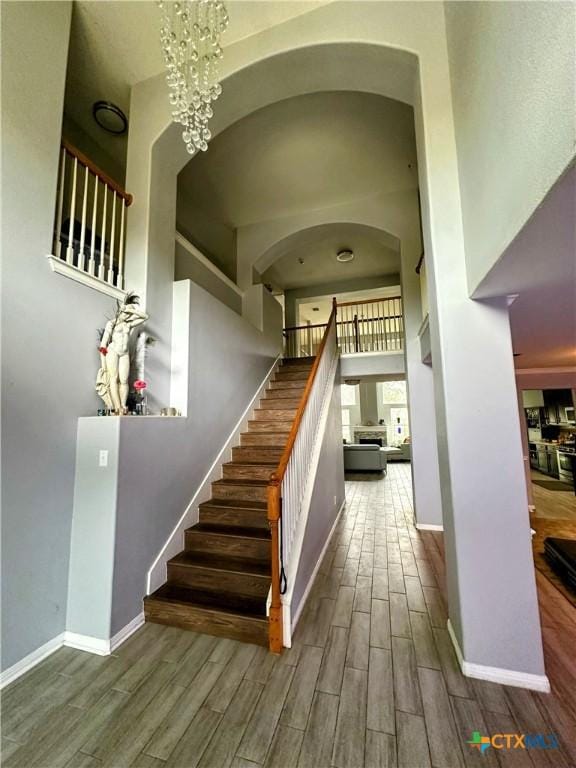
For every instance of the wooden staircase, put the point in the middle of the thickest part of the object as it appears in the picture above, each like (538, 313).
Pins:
(219, 584)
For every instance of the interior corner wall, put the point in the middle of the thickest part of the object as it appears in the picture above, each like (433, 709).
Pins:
(49, 323)
(513, 84)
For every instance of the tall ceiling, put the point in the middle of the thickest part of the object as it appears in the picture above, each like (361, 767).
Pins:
(313, 261)
(304, 153)
(115, 44)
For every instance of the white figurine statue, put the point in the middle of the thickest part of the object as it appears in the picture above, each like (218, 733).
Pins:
(113, 376)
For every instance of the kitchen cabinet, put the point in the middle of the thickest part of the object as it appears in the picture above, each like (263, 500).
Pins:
(547, 459)
(555, 403)
(532, 398)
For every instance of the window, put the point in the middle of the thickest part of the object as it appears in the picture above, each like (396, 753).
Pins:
(393, 392)
(348, 393)
(346, 430)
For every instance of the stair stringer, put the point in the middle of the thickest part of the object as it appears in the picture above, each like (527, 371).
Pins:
(158, 572)
(289, 616)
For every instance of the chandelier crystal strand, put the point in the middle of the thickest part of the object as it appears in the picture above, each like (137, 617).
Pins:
(190, 37)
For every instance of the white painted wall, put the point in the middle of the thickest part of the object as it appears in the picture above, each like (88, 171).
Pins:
(157, 465)
(49, 323)
(513, 85)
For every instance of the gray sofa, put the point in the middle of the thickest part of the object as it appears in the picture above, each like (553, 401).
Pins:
(364, 458)
(402, 453)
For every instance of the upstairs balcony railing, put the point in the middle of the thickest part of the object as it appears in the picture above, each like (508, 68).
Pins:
(375, 325)
(90, 222)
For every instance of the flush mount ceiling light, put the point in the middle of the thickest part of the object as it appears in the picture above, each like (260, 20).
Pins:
(109, 117)
(315, 309)
(345, 255)
(190, 36)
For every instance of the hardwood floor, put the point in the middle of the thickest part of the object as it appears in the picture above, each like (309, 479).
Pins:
(552, 504)
(371, 679)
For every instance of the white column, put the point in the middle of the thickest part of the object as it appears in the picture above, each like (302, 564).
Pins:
(419, 377)
(493, 605)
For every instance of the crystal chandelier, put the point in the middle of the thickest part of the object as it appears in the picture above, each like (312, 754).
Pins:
(190, 36)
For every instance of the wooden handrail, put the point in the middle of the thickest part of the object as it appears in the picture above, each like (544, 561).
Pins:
(367, 301)
(72, 150)
(274, 500)
(305, 327)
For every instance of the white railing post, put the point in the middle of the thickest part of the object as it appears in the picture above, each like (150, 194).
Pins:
(112, 239)
(91, 263)
(59, 206)
(70, 248)
(120, 275)
(102, 265)
(81, 259)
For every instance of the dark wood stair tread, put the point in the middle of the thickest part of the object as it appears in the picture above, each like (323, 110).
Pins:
(247, 483)
(218, 602)
(219, 563)
(228, 504)
(230, 530)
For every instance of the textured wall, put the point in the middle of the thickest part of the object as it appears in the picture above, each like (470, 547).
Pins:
(513, 84)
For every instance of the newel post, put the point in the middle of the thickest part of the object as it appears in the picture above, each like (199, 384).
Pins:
(275, 618)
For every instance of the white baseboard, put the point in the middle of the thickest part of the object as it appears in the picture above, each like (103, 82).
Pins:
(427, 527)
(31, 660)
(289, 622)
(175, 543)
(498, 674)
(123, 634)
(70, 640)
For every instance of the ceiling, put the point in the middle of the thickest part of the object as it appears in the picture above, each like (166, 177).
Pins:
(115, 44)
(540, 268)
(307, 152)
(312, 259)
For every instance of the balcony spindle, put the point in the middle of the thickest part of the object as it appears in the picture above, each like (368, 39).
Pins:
(81, 258)
(91, 263)
(120, 275)
(112, 240)
(70, 248)
(102, 265)
(59, 207)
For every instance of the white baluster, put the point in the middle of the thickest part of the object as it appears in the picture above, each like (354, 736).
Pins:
(120, 276)
(102, 266)
(81, 259)
(112, 238)
(70, 248)
(57, 232)
(91, 263)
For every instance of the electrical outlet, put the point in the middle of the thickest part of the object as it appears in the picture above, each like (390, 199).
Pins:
(103, 459)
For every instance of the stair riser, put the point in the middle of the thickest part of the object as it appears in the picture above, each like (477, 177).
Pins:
(239, 472)
(270, 426)
(280, 402)
(260, 455)
(284, 384)
(301, 376)
(240, 492)
(243, 518)
(274, 414)
(228, 546)
(208, 622)
(294, 369)
(249, 439)
(219, 581)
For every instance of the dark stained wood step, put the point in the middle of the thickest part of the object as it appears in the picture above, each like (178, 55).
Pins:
(287, 384)
(274, 414)
(244, 490)
(260, 454)
(221, 614)
(298, 361)
(209, 572)
(279, 402)
(252, 543)
(235, 470)
(274, 425)
(288, 375)
(264, 439)
(228, 512)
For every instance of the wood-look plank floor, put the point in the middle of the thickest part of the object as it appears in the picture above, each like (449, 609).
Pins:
(371, 679)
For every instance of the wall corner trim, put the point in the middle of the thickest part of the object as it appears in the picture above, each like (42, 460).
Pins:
(498, 674)
(87, 643)
(429, 527)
